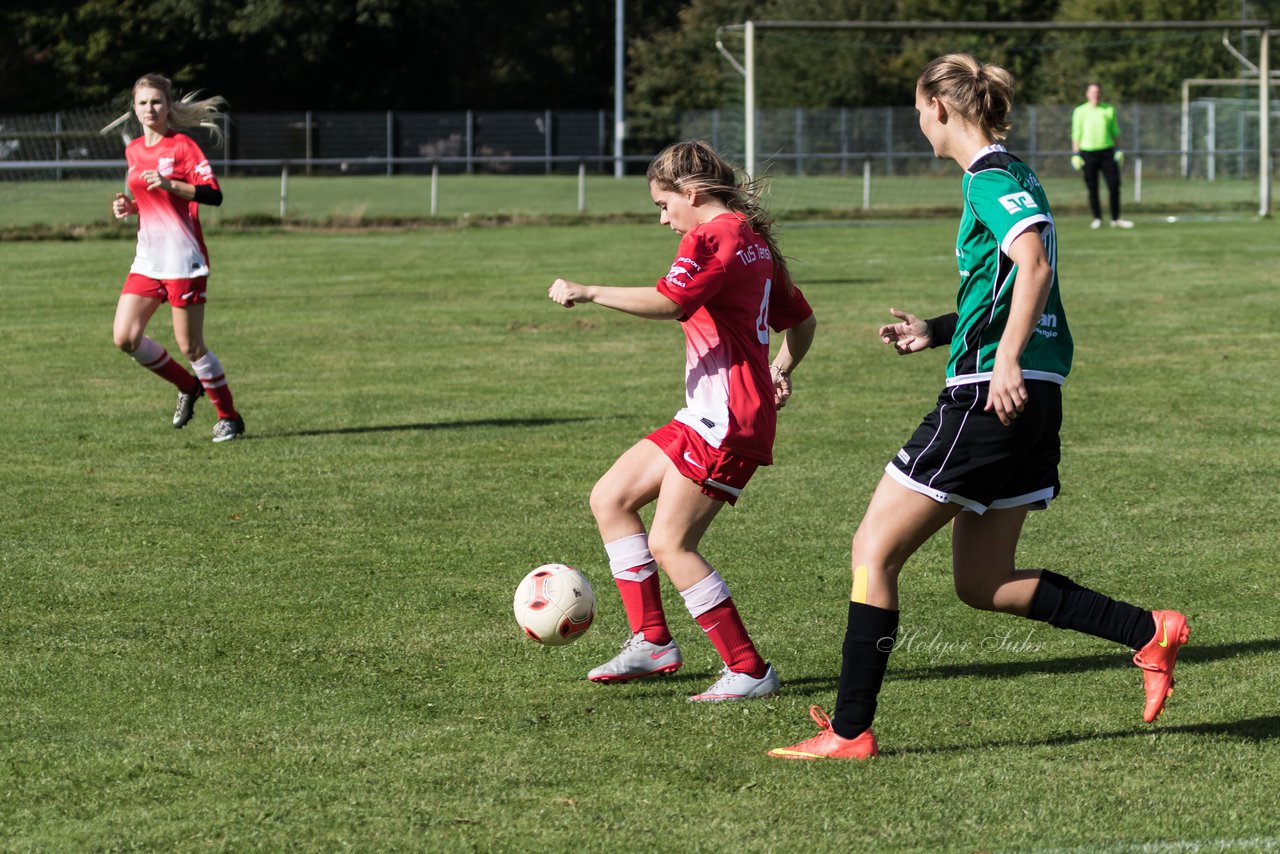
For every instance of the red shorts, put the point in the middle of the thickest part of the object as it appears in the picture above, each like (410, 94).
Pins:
(721, 475)
(178, 292)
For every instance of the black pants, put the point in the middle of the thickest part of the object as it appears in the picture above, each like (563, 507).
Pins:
(1103, 160)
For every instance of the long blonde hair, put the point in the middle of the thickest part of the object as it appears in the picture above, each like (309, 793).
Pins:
(982, 94)
(695, 165)
(186, 112)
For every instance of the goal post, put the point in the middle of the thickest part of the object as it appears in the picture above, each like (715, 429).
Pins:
(1257, 27)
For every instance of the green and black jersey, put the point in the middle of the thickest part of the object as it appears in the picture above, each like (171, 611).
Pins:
(1002, 199)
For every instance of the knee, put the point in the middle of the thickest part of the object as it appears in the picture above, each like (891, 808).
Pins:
(878, 555)
(975, 595)
(666, 549)
(193, 352)
(125, 342)
(605, 501)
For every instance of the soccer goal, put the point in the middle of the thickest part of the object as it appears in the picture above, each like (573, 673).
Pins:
(875, 155)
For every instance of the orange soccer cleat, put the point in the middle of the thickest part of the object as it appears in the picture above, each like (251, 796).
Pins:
(1157, 659)
(827, 744)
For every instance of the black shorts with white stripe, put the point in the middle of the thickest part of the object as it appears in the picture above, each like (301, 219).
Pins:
(964, 455)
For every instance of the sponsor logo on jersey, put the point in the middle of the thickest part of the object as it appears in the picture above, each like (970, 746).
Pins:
(1018, 202)
(165, 166)
(1048, 326)
(682, 268)
(204, 171)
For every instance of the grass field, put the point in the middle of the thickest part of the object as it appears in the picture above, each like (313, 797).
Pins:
(303, 640)
(465, 198)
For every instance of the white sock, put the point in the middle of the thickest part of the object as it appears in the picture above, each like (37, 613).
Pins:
(150, 354)
(705, 595)
(209, 370)
(628, 553)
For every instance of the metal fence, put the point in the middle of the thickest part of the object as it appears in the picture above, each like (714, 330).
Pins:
(1208, 139)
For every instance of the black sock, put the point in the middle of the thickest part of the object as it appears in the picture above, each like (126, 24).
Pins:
(1061, 602)
(868, 639)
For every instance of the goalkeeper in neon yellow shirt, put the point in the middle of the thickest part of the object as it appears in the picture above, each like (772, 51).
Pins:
(1094, 133)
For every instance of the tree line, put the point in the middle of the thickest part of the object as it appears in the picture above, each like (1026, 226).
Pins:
(534, 54)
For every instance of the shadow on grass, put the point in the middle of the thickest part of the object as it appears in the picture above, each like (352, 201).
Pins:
(1259, 729)
(1075, 664)
(435, 425)
(1078, 664)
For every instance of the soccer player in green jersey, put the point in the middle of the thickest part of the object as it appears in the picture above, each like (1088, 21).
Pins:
(1094, 134)
(989, 452)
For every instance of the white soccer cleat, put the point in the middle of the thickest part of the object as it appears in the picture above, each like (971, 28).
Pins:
(639, 659)
(1097, 223)
(739, 686)
(1121, 223)
(186, 406)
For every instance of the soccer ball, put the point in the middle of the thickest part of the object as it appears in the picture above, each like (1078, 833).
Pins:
(555, 605)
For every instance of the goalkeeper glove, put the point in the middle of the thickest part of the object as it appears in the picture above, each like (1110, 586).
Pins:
(1077, 162)
(1119, 157)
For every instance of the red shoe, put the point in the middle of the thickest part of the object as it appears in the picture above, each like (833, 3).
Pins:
(827, 744)
(1157, 659)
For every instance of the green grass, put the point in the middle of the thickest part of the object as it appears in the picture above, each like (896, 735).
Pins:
(464, 198)
(303, 639)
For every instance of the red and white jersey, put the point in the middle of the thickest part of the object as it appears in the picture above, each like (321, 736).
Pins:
(723, 279)
(170, 242)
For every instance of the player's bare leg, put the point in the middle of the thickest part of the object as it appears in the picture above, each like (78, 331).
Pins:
(897, 522)
(188, 330)
(983, 549)
(133, 313)
(633, 481)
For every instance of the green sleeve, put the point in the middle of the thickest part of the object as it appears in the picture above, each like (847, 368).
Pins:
(1076, 121)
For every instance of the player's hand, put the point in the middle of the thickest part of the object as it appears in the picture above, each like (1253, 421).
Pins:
(1077, 162)
(1007, 393)
(1119, 156)
(568, 293)
(781, 386)
(122, 206)
(156, 181)
(911, 335)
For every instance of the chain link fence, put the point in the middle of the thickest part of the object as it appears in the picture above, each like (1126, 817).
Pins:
(1183, 150)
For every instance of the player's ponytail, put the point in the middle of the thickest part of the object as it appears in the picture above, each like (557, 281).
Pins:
(695, 165)
(981, 94)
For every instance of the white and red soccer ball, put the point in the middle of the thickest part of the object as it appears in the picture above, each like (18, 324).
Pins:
(555, 604)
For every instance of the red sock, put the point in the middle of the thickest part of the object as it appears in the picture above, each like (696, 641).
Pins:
(162, 365)
(220, 397)
(209, 370)
(643, 603)
(729, 636)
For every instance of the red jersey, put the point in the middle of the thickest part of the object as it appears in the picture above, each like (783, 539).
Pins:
(170, 242)
(723, 279)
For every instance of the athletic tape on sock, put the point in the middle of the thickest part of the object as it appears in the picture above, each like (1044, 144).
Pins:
(705, 595)
(628, 553)
(149, 353)
(207, 367)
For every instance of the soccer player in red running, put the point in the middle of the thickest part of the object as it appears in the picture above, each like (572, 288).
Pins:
(169, 177)
(728, 286)
(988, 454)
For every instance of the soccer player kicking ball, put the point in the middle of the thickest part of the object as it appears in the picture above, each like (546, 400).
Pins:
(989, 452)
(169, 178)
(728, 286)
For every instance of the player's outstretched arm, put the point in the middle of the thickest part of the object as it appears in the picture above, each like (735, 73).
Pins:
(642, 302)
(909, 335)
